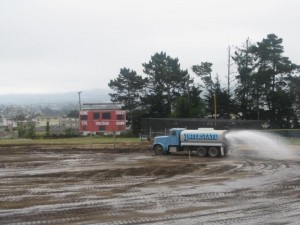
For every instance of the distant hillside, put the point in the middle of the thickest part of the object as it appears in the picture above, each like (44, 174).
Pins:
(94, 96)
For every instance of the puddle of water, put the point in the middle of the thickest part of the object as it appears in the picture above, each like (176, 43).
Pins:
(263, 144)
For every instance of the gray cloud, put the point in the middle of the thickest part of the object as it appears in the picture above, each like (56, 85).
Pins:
(69, 45)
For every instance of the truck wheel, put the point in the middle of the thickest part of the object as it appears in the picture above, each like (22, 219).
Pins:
(158, 149)
(213, 152)
(201, 151)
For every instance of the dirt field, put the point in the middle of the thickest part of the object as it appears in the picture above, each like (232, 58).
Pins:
(133, 186)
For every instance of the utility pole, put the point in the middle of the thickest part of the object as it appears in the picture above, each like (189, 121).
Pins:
(79, 92)
(215, 109)
(228, 73)
(228, 79)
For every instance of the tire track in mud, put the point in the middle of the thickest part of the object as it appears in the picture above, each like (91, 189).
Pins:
(220, 197)
(95, 187)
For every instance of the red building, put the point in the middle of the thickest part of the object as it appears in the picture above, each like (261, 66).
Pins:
(101, 118)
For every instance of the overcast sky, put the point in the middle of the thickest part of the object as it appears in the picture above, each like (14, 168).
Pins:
(51, 46)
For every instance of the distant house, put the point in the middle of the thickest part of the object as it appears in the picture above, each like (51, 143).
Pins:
(97, 118)
(69, 123)
(7, 127)
(57, 124)
(42, 121)
(7, 123)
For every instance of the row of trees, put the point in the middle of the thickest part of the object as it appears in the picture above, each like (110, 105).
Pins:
(266, 87)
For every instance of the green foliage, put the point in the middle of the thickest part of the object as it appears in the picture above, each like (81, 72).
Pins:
(26, 131)
(20, 117)
(189, 105)
(245, 62)
(263, 86)
(135, 123)
(166, 82)
(128, 88)
(30, 131)
(282, 101)
(21, 131)
(73, 114)
(47, 131)
(70, 132)
(267, 87)
(204, 72)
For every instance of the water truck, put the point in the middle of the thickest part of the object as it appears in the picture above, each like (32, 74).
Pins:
(202, 142)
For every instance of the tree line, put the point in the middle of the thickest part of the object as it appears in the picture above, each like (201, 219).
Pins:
(265, 86)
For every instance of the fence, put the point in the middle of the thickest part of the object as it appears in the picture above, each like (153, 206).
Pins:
(152, 127)
(160, 126)
(290, 133)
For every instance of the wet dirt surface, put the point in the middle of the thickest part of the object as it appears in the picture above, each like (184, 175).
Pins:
(107, 186)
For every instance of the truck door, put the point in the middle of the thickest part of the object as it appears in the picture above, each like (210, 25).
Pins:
(174, 138)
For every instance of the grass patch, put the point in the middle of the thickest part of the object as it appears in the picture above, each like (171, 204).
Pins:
(293, 141)
(71, 141)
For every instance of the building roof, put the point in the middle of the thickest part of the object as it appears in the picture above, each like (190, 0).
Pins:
(106, 106)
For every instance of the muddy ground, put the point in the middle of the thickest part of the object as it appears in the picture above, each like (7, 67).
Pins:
(63, 185)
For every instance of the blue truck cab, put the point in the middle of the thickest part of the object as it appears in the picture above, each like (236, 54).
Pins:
(162, 144)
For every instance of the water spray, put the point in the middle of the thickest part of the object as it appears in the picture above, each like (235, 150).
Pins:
(259, 143)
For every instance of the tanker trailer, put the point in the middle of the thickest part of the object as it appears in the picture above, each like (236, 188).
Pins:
(202, 142)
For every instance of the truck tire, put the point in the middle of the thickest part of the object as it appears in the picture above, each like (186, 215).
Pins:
(213, 152)
(201, 151)
(158, 149)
